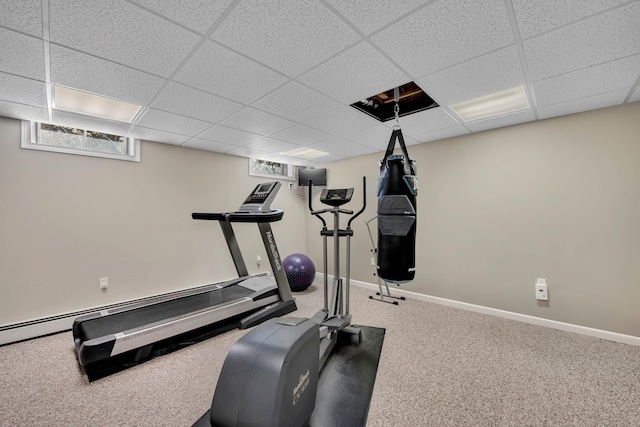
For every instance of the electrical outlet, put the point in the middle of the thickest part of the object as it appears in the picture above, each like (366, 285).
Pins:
(542, 293)
(373, 261)
(259, 260)
(104, 282)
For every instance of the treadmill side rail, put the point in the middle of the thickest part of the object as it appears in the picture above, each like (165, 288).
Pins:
(149, 335)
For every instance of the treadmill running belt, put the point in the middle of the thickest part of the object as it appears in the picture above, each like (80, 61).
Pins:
(119, 322)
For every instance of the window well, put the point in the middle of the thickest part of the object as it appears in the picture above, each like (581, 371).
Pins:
(70, 140)
(412, 99)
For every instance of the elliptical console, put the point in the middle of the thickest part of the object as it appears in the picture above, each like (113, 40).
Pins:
(336, 197)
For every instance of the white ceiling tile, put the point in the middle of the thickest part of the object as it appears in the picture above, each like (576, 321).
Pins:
(229, 135)
(303, 62)
(23, 55)
(24, 112)
(490, 73)
(442, 134)
(198, 15)
(90, 74)
(499, 122)
(271, 145)
(204, 144)
(169, 122)
(598, 79)
(445, 33)
(341, 147)
(375, 137)
(122, 32)
(63, 118)
(355, 74)
(256, 121)
(249, 153)
(158, 136)
(585, 43)
(22, 90)
(425, 121)
(537, 16)
(585, 104)
(370, 15)
(181, 99)
(296, 102)
(302, 135)
(290, 37)
(342, 121)
(23, 15)
(218, 70)
(327, 159)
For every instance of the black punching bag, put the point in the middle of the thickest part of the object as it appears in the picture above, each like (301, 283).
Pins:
(397, 191)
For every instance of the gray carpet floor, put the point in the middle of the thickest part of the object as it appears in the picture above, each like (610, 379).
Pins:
(439, 366)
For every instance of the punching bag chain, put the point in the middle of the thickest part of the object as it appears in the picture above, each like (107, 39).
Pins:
(396, 108)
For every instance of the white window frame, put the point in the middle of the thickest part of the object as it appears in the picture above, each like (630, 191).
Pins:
(290, 174)
(30, 140)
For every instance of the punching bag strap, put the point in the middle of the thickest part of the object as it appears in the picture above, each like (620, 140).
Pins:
(397, 134)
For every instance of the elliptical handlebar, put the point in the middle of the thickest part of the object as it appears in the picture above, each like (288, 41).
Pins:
(313, 212)
(364, 201)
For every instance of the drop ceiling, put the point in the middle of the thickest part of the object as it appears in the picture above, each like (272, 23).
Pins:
(258, 78)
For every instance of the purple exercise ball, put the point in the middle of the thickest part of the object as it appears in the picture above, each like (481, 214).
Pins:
(300, 271)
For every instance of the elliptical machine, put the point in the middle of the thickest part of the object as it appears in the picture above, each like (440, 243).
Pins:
(270, 376)
(337, 313)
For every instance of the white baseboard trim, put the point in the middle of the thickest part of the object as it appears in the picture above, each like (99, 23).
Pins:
(63, 322)
(567, 327)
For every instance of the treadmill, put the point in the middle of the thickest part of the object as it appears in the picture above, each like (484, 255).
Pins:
(110, 340)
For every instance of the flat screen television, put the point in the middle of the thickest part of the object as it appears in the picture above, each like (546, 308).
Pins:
(317, 176)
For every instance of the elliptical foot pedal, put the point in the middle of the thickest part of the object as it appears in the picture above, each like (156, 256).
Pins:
(338, 322)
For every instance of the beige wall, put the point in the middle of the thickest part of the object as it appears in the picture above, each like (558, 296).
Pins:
(557, 199)
(66, 221)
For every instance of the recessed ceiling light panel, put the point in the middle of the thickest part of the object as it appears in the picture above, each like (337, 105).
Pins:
(76, 101)
(495, 104)
(304, 153)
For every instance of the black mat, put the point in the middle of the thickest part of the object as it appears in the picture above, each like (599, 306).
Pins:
(346, 383)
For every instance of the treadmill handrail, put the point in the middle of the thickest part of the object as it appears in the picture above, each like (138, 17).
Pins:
(254, 217)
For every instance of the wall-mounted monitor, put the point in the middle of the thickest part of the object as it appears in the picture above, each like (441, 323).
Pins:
(317, 176)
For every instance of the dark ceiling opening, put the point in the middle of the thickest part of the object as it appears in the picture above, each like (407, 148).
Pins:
(411, 99)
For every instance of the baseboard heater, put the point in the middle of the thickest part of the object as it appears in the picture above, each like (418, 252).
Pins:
(21, 331)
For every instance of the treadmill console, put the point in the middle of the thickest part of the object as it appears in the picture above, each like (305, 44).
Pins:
(336, 197)
(260, 198)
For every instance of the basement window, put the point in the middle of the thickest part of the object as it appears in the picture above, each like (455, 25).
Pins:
(70, 140)
(412, 99)
(269, 169)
